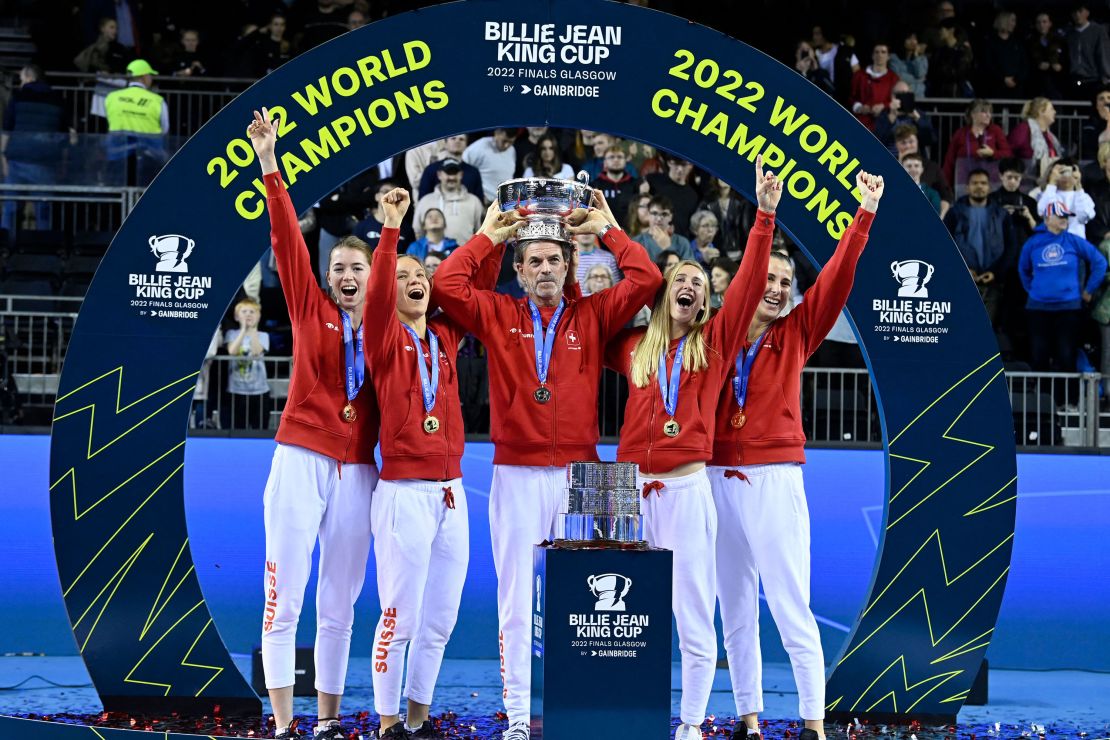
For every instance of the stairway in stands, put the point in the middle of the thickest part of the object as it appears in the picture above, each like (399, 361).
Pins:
(16, 47)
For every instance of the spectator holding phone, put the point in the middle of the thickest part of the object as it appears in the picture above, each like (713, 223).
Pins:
(1065, 186)
(1021, 207)
(807, 65)
(903, 110)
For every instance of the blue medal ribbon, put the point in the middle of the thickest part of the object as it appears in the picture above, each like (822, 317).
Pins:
(427, 387)
(544, 343)
(356, 365)
(668, 388)
(744, 363)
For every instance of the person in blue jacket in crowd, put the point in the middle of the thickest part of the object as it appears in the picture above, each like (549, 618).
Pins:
(1050, 266)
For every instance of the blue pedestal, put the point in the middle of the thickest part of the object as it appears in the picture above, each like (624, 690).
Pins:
(601, 644)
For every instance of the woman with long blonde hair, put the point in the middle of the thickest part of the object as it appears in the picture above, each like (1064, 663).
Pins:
(1032, 137)
(676, 367)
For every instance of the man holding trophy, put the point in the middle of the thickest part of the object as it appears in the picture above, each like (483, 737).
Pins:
(545, 359)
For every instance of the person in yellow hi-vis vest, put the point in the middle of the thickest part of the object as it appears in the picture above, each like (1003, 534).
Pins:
(138, 120)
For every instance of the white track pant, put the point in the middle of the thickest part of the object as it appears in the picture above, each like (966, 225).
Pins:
(680, 517)
(307, 495)
(523, 505)
(764, 533)
(421, 546)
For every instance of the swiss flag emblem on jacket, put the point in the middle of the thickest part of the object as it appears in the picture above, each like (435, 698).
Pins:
(572, 338)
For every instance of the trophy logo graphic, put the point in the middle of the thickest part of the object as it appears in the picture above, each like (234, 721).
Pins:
(609, 589)
(171, 250)
(912, 275)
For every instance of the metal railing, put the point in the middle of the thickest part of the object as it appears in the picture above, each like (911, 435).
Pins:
(191, 102)
(221, 402)
(74, 208)
(838, 406)
(32, 345)
(949, 114)
(1058, 409)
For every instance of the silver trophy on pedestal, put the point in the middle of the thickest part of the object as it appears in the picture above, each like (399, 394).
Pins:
(602, 507)
(545, 202)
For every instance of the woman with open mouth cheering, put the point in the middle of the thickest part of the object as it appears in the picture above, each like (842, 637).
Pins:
(323, 473)
(676, 367)
(419, 514)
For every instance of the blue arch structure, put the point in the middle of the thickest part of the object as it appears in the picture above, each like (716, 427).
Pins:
(132, 594)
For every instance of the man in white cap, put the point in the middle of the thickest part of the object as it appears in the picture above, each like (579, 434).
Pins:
(461, 209)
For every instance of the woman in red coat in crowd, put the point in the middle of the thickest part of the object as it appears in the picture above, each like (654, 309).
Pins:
(979, 139)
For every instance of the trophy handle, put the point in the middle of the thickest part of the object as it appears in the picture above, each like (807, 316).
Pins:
(627, 585)
(928, 275)
(894, 267)
(590, 583)
(583, 177)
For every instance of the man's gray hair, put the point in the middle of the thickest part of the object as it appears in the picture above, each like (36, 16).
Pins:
(520, 247)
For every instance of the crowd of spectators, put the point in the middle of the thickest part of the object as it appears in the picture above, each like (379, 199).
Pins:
(1014, 187)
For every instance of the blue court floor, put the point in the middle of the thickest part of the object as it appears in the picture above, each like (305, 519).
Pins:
(1077, 703)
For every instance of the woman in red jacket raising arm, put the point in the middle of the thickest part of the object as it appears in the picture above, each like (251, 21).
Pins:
(419, 512)
(676, 367)
(323, 472)
(763, 522)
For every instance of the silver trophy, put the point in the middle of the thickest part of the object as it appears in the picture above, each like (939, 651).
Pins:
(545, 202)
(602, 507)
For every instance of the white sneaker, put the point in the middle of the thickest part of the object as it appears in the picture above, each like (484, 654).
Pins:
(517, 731)
(687, 732)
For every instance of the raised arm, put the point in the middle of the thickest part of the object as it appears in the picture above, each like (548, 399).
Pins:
(829, 294)
(455, 287)
(746, 289)
(380, 309)
(617, 305)
(298, 280)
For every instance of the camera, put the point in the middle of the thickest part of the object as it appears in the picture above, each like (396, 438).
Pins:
(908, 101)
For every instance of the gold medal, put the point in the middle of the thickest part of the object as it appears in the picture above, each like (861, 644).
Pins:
(349, 414)
(671, 428)
(739, 419)
(431, 425)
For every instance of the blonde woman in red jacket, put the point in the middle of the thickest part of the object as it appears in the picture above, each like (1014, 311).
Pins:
(323, 472)
(419, 511)
(763, 522)
(676, 367)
